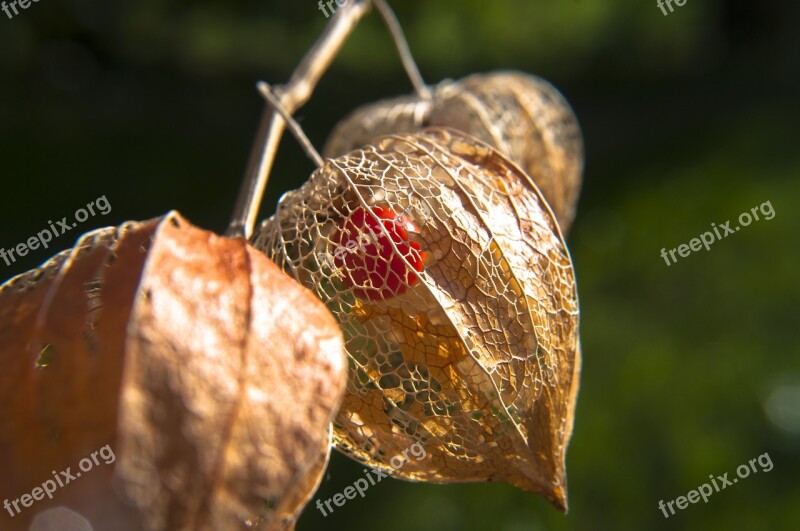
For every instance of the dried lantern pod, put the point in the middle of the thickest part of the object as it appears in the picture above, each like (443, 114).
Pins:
(523, 116)
(456, 294)
(211, 373)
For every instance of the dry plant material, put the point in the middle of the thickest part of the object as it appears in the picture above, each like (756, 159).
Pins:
(211, 374)
(523, 116)
(475, 353)
(300, 494)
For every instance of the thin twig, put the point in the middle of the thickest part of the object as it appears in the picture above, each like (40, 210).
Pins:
(294, 127)
(292, 96)
(403, 49)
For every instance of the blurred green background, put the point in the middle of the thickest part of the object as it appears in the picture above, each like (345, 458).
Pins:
(689, 370)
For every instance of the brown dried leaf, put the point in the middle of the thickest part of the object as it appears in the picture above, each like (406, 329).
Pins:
(475, 356)
(211, 374)
(523, 116)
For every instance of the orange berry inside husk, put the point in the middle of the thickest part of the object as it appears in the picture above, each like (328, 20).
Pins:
(372, 267)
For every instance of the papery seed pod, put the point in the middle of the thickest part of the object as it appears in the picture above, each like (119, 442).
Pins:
(523, 116)
(476, 355)
(211, 373)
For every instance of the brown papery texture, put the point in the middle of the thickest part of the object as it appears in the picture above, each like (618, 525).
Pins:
(62, 338)
(523, 116)
(210, 374)
(477, 360)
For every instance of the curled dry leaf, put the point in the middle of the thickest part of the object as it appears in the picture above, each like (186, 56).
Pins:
(458, 304)
(211, 375)
(523, 116)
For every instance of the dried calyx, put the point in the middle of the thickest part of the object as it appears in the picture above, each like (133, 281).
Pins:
(459, 310)
(523, 116)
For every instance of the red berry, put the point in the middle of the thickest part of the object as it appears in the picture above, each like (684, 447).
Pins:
(371, 267)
